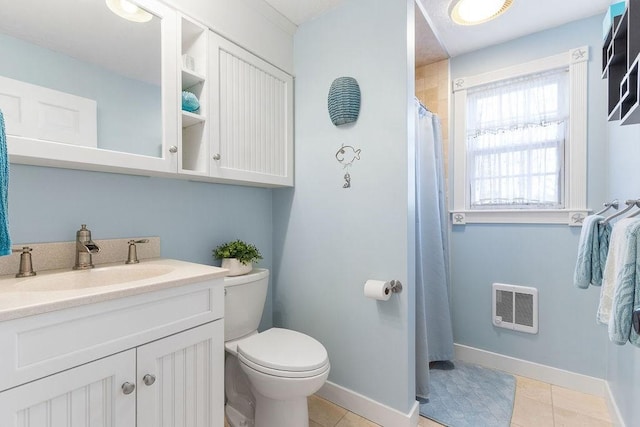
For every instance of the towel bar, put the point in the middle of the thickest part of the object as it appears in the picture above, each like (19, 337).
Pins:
(607, 206)
(630, 204)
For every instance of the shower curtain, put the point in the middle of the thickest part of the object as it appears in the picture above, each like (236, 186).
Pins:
(434, 335)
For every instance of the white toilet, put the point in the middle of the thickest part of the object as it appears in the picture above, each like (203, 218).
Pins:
(268, 375)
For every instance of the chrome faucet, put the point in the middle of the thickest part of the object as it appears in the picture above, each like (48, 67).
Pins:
(85, 247)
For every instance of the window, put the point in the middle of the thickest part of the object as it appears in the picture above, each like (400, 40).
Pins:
(518, 154)
(515, 142)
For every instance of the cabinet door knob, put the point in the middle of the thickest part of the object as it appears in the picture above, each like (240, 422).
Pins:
(216, 156)
(149, 379)
(173, 149)
(127, 388)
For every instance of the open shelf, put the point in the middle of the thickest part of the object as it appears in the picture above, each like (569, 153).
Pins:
(194, 141)
(629, 107)
(190, 119)
(614, 49)
(191, 78)
(614, 58)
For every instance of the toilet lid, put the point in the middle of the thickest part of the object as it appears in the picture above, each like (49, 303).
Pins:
(284, 350)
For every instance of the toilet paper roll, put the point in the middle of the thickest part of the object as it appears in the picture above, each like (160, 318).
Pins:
(377, 289)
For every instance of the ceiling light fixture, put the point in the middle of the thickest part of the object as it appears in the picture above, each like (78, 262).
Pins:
(129, 11)
(472, 12)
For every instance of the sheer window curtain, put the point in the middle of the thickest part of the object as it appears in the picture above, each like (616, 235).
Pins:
(516, 130)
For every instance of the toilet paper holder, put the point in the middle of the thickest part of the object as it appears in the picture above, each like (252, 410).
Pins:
(396, 286)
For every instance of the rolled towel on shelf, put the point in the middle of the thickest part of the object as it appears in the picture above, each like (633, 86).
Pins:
(190, 102)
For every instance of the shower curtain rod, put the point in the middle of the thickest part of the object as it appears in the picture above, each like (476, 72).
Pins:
(421, 104)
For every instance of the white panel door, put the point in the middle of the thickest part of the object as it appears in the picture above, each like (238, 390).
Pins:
(252, 116)
(90, 395)
(180, 379)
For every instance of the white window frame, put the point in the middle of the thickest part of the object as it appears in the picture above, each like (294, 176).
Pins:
(575, 163)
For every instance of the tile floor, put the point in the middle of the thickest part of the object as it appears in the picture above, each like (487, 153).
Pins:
(537, 404)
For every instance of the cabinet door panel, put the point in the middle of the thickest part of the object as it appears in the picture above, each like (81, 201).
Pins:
(252, 112)
(87, 396)
(188, 387)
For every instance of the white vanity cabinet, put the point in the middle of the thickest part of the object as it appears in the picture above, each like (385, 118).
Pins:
(146, 360)
(89, 395)
(180, 376)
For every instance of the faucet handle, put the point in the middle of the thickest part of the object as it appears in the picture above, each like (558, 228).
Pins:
(133, 242)
(26, 266)
(133, 253)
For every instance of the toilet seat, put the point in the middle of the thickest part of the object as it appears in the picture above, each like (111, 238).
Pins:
(283, 353)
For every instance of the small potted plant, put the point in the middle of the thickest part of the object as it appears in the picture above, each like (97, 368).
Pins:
(237, 256)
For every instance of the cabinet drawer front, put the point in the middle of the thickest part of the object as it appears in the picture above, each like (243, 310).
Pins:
(41, 345)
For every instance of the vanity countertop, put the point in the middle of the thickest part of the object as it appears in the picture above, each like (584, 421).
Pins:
(60, 289)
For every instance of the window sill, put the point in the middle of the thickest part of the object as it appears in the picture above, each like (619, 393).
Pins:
(573, 217)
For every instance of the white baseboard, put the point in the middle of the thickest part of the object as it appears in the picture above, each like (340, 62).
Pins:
(614, 411)
(370, 409)
(536, 371)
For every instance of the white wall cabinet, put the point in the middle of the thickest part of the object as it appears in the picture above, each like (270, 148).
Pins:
(243, 131)
(144, 361)
(252, 117)
(38, 147)
(247, 134)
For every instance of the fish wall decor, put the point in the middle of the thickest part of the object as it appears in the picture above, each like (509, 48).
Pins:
(346, 155)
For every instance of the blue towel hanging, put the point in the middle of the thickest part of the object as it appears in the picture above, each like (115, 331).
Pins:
(5, 240)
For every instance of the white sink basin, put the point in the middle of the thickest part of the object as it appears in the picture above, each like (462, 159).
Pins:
(94, 278)
(60, 289)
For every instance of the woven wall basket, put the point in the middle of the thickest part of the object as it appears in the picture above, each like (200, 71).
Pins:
(344, 100)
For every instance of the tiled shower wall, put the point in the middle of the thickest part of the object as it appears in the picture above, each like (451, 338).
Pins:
(432, 89)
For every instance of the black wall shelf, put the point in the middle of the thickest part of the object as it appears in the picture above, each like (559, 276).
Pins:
(620, 53)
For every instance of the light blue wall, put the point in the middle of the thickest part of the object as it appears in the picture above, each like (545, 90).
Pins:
(191, 218)
(542, 256)
(129, 111)
(623, 362)
(328, 240)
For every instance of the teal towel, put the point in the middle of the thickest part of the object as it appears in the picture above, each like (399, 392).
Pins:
(589, 264)
(627, 290)
(599, 253)
(5, 240)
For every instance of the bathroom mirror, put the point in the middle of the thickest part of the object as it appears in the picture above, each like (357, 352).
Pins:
(75, 74)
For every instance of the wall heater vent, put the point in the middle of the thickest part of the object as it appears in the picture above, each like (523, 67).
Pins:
(515, 307)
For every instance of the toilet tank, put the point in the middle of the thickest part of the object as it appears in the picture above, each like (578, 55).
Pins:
(244, 298)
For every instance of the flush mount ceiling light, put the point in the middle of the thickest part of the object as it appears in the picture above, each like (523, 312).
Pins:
(472, 12)
(129, 11)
